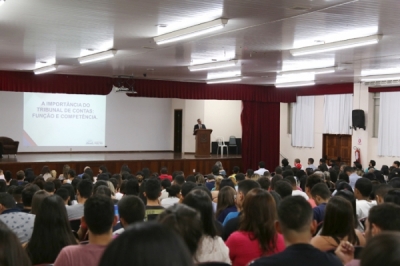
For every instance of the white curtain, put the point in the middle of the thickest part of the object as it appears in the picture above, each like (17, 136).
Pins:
(389, 128)
(337, 114)
(303, 122)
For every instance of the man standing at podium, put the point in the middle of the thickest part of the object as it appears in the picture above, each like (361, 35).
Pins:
(199, 125)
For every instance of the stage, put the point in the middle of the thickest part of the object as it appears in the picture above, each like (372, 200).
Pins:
(113, 161)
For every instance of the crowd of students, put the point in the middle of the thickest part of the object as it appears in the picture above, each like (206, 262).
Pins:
(303, 215)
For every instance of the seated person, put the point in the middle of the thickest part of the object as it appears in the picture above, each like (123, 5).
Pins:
(98, 218)
(131, 210)
(152, 192)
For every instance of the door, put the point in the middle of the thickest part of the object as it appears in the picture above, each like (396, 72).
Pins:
(177, 130)
(337, 147)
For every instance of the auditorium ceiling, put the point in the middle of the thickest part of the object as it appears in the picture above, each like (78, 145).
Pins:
(259, 33)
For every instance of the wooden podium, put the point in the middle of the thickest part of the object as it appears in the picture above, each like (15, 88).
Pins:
(203, 137)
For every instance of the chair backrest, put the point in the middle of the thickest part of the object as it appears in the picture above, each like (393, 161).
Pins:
(220, 141)
(232, 140)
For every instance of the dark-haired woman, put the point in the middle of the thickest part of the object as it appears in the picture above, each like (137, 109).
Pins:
(211, 247)
(338, 226)
(51, 231)
(173, 196)
(11, 251)
(257, 235)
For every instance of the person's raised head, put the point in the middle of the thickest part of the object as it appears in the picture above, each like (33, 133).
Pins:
(278, 170)
(295, 217)
(311, 181)
(261, 164)
(152, 190)
(348, 170)
(283, 188)
(71, 173)
(249, 173)
(98, 214)
(12, 252)
(235, 169)
(191, 178)
(264, 182)
(49, 187)
(287, 173)
(215, 170)
(37, 200)
(392, 196)
(173, 191)
(186, 222)
(200, 200)
(164, 170)
(240, 177)
(132, 187)
(396, 164)
(226, 182)
(27, 194)
(131, 209)
(274, 180)
(179, 180)
(291, 180)
(285, 162)
(362, 188)
(186, 188)
(259, 215)
(63, 193)
(380, 191)
(103, 191)
(226, 198)
(246, 185)
(320, 193)
(310, 160)
(20, 175)
(383, 249)
(85, 189)
(143, 240)
(6, 201)
(383, 217)
(165, 183)
(339, 220)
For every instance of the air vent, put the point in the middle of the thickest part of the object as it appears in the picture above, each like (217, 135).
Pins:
(383, 83)
(300, 8)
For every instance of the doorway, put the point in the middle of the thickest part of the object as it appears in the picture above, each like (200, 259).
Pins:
(337, 147)
(177, 130)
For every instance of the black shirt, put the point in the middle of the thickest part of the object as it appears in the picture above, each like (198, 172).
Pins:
(230, 227)
(299, 255)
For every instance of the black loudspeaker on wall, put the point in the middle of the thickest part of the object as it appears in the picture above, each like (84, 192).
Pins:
(358, 119)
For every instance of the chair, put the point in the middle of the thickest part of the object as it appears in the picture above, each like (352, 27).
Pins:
(232, 143)
(222, 145)
(9, 146)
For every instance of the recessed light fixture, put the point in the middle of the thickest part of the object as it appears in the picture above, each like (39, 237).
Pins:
(380, 77)
(45, 69)
(97, 57)
(224, 80)
(2, 2)
(213, 65)
(161, 25)
(313, 71)
(190, 32)
(320, 48)
(294, 84)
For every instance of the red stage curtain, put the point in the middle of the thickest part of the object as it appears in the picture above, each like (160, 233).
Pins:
(53, 83)
(260, 134)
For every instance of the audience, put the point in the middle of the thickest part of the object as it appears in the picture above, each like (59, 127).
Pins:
(173, 196)
(362, 191)
(257, 235)
(51, 232)
(338, 225)
(99, 219)
(131, 210)
(211, 247)
(84, 191)
(146, 244)
(20, 223)
(226, 203)
(11, 251)
(321, 195)
(152, 192)
(295, 222)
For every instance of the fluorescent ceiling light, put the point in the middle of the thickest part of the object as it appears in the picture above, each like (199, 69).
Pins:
(314, 71)
(385, 71)
(224, 80)
(226, 74)
(380, 77)
(191, 31)
(294, 84)
(213, 65)
(97, 57)
(43, 70)
(294, 78)
(336, 45)
(2, 2)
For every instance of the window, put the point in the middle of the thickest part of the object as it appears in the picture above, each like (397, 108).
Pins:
(376, 114)
(290, 117)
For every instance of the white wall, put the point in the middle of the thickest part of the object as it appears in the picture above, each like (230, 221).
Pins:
(132, 124)
(369, 146)
(223, 117)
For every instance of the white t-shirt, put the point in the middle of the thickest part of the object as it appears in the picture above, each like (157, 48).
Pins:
(260, 171)
(168, 202)
(299, 193)
(212, 250)
(164, 195)
(362, 208)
